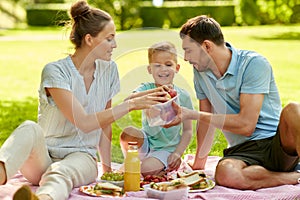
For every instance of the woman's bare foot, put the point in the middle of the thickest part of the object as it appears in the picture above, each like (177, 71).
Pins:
(2, 174)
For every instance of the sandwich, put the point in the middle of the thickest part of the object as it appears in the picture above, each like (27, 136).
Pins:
(195, 180)
(109, 189)
(167, 186)
(183, 174)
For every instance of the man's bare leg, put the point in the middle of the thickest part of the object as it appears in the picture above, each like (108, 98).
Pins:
(236, 174)
(289, 128)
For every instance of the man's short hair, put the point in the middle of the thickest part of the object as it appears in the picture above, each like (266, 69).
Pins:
(202, 28)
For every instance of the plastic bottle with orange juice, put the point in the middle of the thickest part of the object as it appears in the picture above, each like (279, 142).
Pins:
(132, 168)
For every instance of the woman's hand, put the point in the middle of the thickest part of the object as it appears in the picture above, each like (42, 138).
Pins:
(163, 88)
(147, 100)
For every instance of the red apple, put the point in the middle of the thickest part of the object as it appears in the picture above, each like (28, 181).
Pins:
(172, 93)
(168, 96)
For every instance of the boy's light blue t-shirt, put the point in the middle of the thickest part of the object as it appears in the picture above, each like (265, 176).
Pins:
(159, 137)
(248, 73)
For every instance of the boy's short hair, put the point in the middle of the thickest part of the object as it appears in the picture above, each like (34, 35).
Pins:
(164, 46)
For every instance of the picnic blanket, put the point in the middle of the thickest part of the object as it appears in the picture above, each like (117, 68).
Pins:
(285, 192)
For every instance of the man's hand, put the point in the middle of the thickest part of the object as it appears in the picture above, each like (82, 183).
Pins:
(178, 118)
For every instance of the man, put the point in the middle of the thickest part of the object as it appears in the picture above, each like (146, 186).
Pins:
(237, 94)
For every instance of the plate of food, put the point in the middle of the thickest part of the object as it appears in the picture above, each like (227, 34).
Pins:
(102, 190)
(197, 181)
(116, 178)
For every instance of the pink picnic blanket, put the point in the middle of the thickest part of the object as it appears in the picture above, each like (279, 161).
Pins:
(285, 192)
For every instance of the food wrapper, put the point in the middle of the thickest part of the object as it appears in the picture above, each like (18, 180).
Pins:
(162, 113)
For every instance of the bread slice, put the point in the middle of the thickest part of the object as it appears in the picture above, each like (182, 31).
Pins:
(193, 179)
(182, 174)
(107, 186)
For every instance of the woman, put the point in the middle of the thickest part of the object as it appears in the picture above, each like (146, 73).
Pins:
(75, 113)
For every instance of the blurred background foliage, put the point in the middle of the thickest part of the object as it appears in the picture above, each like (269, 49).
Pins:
(130, 14)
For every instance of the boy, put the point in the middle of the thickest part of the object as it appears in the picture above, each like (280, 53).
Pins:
(160, 148)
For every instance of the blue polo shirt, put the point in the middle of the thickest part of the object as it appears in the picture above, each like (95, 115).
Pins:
(248, 73)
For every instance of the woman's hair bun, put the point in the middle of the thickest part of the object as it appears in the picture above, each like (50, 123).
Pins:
(79, 9)
(86, 20)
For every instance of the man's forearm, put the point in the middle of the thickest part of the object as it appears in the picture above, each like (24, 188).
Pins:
(234, 123)
(205, 137)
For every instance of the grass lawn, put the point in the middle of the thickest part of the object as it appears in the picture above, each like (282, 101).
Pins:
(23, 54)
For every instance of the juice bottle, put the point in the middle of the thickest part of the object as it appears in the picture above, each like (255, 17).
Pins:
(132, 168)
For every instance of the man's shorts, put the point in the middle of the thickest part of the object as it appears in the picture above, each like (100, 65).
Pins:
(145, 152)
(265, 152)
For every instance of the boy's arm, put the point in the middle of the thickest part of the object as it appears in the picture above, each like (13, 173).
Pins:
(187, 132)
(174, 160)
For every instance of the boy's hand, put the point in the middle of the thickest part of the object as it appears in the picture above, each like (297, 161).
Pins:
(174, 161)
(166, 87)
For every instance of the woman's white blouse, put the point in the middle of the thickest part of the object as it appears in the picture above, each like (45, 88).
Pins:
(62, 136)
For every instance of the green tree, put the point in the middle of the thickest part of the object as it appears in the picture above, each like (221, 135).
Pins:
(124, 12)
(268, 11)
(250, 12)
(12, 13)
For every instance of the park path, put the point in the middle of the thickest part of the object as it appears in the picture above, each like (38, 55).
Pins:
(33, 37)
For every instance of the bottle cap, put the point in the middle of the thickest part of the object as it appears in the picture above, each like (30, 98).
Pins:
(132, 143)
(132, 146)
